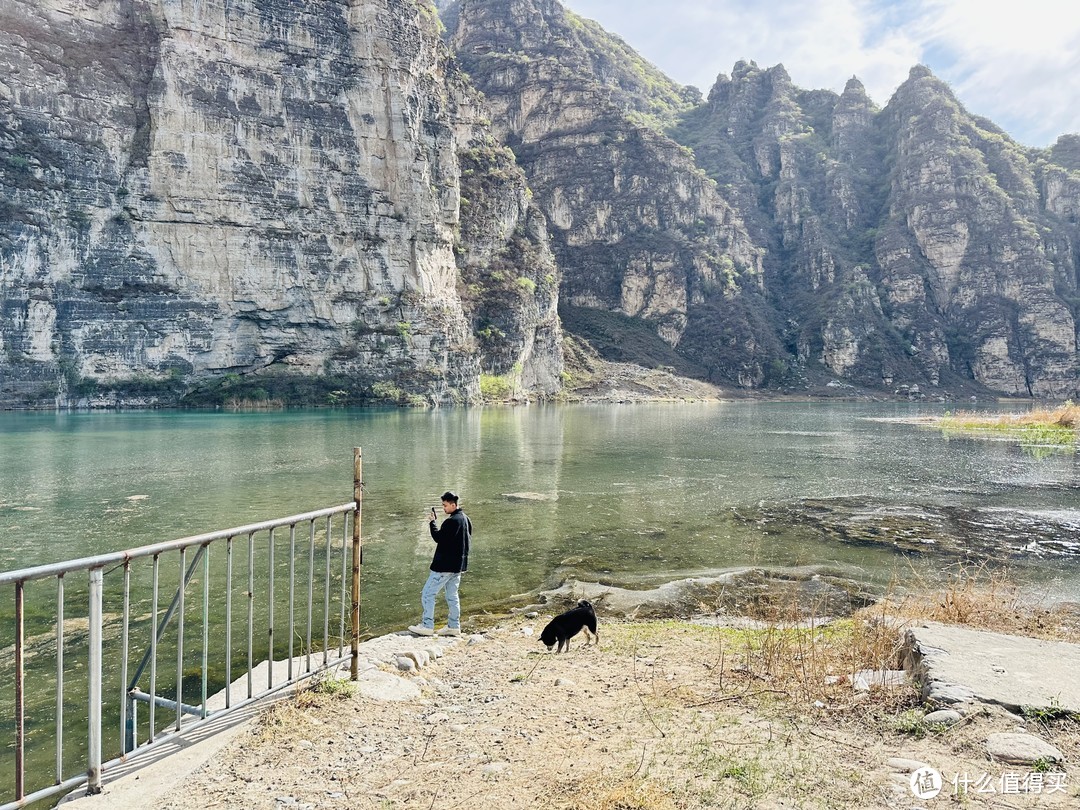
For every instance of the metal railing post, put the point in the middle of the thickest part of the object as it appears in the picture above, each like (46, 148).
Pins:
(180, 637)
(228, 621)
(292, 594)
(270, 614)
(127, 719)
(205, 626)
(251, 613)
(358, 494)
(326, 594)
(20, 694)
(59, 680)
(310, 589)
(93, 771)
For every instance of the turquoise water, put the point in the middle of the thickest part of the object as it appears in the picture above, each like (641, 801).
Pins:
(632, 494)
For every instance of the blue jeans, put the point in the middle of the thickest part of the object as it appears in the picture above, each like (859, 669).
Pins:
(435, 583)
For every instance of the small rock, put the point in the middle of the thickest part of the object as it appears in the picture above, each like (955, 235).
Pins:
(902, 765)
(1021, 749)
(305, 744)
(406, 664)
(420, 657)
(532, 614)
(526, 631)
(864, 679)
(564, 682)
(476, 638)
(438, 717)
(457, 728)
(818, 704)
(947, 716)
(494, 768)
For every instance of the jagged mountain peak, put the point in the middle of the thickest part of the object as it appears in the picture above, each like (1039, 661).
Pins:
(920, 81)
(571, 48)
(1066, 152)
(855, 92)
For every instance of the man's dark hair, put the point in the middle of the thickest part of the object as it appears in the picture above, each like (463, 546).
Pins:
(450, 496)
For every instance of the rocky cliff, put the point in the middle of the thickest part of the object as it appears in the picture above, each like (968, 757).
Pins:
(636, 227)
(914, 245)
(201, 196)
(349, 202)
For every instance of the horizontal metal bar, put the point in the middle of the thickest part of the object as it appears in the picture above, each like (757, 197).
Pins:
(44, 793)
(163, 702)
(102, 560)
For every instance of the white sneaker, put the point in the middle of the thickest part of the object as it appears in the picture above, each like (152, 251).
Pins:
(420, 630)
(450, 631)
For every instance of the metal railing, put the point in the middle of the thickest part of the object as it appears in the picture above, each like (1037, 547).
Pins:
(127, 580)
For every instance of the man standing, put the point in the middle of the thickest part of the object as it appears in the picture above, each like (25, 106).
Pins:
(449, 563)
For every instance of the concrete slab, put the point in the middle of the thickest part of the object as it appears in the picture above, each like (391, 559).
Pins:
(961, 665)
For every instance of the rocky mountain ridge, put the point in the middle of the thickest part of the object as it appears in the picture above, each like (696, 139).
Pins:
(350, 203)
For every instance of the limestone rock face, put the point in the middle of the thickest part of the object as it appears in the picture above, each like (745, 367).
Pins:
(635, 226)
(195, 187)
(911, 244)
(310, 200)
(981, 257)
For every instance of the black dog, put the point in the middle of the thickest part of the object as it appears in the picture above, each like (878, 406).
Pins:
(567, 625)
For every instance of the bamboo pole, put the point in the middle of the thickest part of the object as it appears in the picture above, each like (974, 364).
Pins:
(357, 551)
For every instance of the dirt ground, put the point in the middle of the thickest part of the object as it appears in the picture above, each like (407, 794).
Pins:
(659, 715)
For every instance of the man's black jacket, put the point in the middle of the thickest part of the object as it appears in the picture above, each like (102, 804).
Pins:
(452, 551)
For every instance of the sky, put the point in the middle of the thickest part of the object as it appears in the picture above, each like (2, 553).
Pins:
(1016, 63)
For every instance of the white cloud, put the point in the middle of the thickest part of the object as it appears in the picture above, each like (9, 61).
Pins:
(1018, 67)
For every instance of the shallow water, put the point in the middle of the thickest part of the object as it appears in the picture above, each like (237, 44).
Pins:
(622, 493)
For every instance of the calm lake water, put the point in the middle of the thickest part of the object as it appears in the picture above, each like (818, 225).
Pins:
(632, 495)
(627, 494)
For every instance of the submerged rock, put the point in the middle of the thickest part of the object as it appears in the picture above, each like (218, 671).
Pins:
(756, 592)
(927, 528)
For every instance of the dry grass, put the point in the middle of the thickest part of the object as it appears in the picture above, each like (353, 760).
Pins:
(666, 714)
(1049, 426)
(1065, 416)
(318, 695)
(805, 659)
(606, 792)
(985, 598)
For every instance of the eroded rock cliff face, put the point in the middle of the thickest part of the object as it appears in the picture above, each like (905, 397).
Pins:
(195, 190)
(636, 227)
(973, 258)
(265, 198)
(915, 244)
